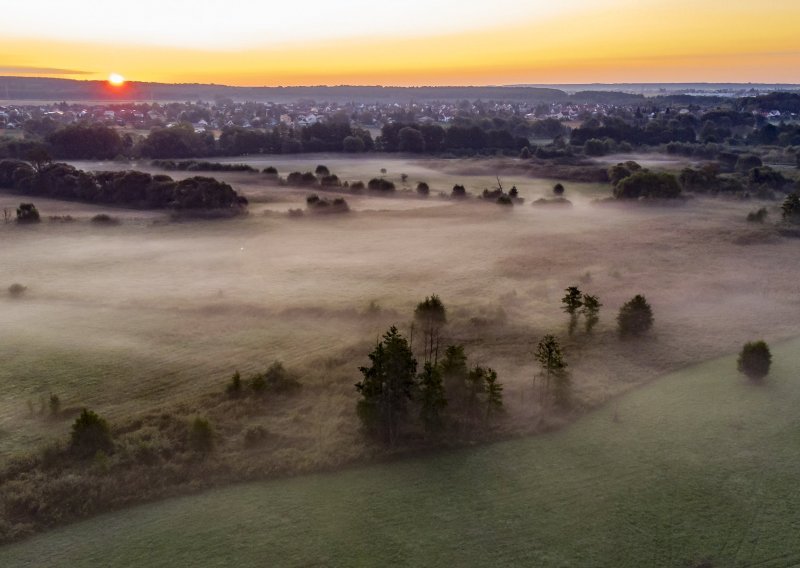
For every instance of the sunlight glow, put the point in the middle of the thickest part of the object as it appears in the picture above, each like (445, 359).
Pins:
(116, 79)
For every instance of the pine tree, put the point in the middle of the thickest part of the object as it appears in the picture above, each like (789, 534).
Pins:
(387, 386)
(551, 360)
(432, 399)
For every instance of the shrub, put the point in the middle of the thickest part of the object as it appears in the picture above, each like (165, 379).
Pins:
(423, 188)
(55, 405)
(757, 216)
(234, 388)
(90, 434)
(271, 171)
(648, 184)
(275, 379)
(459, 192)
(357, 186)
(27, 213)
(635, 317)
(322, 170)
(201, 436)
(255, 436)
(791, 208)
(16, 290)
(754, 360)
(525, 153)
(504, 200)
(103, 219)
(380, 184)
(558, 189)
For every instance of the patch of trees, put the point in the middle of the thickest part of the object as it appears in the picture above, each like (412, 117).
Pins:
(577, 303)
(616, 129)
(201, 166)
(396, 397)
(27, 214)
(462, 136)
(126, 188)
(177, 142)
(86, 142)
(275, 380)
(316, 204)
(647, 184)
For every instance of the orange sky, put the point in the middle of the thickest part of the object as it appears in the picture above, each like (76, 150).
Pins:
(614, 41)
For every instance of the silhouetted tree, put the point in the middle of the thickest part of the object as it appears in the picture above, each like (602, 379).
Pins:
(572, 303)
(635, 317)
(431, 316)
(554, 368)
(754, 360)
(387, 386)
(431, 397)
(591, 311)
(90, 434)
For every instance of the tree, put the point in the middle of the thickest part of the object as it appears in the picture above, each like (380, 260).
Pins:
(525, 153)
(39, 158)
(90, 434)
(754, 360)
(411, 140)
(431, 316)
(459, 191)
(432, 398)
(234, 388)
(387, 386)
(353, 144)
(558, 189)
(494, 394)
(556, 379)
(591, 310)
(635, 317)
(453, 367)
(27, 213)
(572, 303)
(423, 188)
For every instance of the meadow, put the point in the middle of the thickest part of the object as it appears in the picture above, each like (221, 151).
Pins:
(696, 469)
(153, 316)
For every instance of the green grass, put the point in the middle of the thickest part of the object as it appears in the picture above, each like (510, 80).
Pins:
(700, 465)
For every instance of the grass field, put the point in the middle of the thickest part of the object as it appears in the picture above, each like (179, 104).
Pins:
(698, 468)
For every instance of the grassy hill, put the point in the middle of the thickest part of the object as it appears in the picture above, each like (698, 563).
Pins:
(700, 466)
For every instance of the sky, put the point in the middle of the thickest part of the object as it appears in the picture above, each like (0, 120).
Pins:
(404, 42)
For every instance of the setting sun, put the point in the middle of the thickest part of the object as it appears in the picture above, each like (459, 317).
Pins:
(116, 79)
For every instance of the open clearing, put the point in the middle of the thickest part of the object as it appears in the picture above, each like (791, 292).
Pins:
(698, 466)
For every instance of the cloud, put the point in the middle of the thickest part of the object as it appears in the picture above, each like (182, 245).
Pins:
(24, 70)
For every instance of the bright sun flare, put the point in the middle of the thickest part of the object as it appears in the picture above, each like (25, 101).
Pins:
(116, 79)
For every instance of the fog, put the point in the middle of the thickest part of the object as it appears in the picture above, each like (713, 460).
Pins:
(151, 312)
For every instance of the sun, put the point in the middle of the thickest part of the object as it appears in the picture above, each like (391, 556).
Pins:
(116, 79)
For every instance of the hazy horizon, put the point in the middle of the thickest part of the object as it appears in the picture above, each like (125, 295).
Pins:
(408, 44)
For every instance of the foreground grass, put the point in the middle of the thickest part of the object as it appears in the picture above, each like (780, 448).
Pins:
(700, 466)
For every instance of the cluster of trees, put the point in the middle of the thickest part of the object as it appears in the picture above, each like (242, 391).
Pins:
(317, 204)
(577, 303)
(653, 133)
(791, 208)
(446, 392)
(631, 181)
(275, 380)
(464, 135)
(201, 166)
(126, 188)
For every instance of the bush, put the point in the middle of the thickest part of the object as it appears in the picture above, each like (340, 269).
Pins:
(90, 434)
(791, 208)
(271, 171)
(27, 213)
(380, 184)
(234, 388)
(649, 185)
(423, 188)
(103, 219)
(255, 436)
(16, 290)
(322, 170)
(635, 317)
(275, 379)
(558, 189)
(757, 216)
(201, 436)
(459, 192)
(754, 360)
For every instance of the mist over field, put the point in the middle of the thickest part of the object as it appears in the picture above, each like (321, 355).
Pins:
(150, 313)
